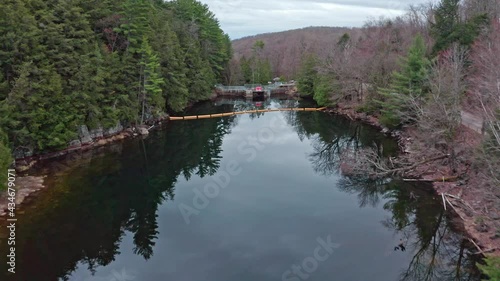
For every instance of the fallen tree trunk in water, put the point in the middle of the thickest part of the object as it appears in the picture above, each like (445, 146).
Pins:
(402, 170)
(368, 162)
(443, 179)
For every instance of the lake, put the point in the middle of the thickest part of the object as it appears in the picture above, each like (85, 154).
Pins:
(247, 197)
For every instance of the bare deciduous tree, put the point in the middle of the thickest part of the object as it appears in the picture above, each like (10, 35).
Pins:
(440, 116)
(486, 91)
(472, 8)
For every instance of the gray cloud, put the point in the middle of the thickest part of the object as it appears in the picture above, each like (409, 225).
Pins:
(241, 18)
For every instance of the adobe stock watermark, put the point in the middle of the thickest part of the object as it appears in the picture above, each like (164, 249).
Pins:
(249, 148)
(310, 264)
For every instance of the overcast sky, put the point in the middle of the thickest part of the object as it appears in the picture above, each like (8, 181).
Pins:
(241, 18)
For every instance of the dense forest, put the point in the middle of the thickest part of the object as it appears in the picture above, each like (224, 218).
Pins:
(67, 63)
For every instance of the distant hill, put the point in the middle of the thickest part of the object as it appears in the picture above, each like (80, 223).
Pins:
(285, 49)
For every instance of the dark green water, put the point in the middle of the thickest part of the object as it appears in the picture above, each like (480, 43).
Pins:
(252, 198)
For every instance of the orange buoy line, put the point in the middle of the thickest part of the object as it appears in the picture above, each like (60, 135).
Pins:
(218, 115)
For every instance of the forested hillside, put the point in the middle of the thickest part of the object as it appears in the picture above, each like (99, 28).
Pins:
(67, 63)
(283, 50)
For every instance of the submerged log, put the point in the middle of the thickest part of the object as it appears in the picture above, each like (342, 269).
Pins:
(442, 179)
(401, 171)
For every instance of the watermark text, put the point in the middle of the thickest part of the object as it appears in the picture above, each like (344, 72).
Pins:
(11, 221)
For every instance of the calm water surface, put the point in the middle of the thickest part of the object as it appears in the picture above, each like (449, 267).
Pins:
(251, 197)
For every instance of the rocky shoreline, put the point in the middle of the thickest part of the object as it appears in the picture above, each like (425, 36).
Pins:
(88, 141)
(30, 184)
(481, 232)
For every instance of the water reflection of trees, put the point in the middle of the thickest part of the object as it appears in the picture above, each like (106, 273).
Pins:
(330, 136)
(85, 215)
(243, 104)
(439, 253)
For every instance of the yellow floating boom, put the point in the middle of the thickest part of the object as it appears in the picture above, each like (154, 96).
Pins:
(218, 115)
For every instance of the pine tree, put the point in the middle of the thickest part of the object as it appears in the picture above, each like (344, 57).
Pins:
(214, 45)
(201, 78)
(19, 41)
(37, 112)
(66, 63)
(307, 75)
(408, 83)
(94, 105)
(448, 27)
(324, 86)
(123, 85)
(256, 61)
(5, 159)
(199, 74)
(264, 72)
(344, 41)
(446, 22)
(13, 107)
(66, 36)
(166, 44)
(135, 26)
(100, 9)
(246, 70)
(151, 98)
(491, 268)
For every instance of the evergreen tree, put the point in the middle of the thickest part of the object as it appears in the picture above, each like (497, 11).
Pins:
(123, 85)
(199, 74)
(324, 86)
(66, 63)
(66, 37)
(36, 111)
(264, 72)
(151, 98)
(307, 75)
(201, 78)
(246, 70)
(448, 27)
(446, 21)
(100, 9)
(344, 41)
(491, 268)
(408, 83)
(96, 106)
(5, 159)
(135, 26)
(214, 46)
(18, 41)
(166, 44)
(256, 61)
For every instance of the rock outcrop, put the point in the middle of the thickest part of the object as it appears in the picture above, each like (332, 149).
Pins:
(143, 131)
(84, 135)
(113, 130)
